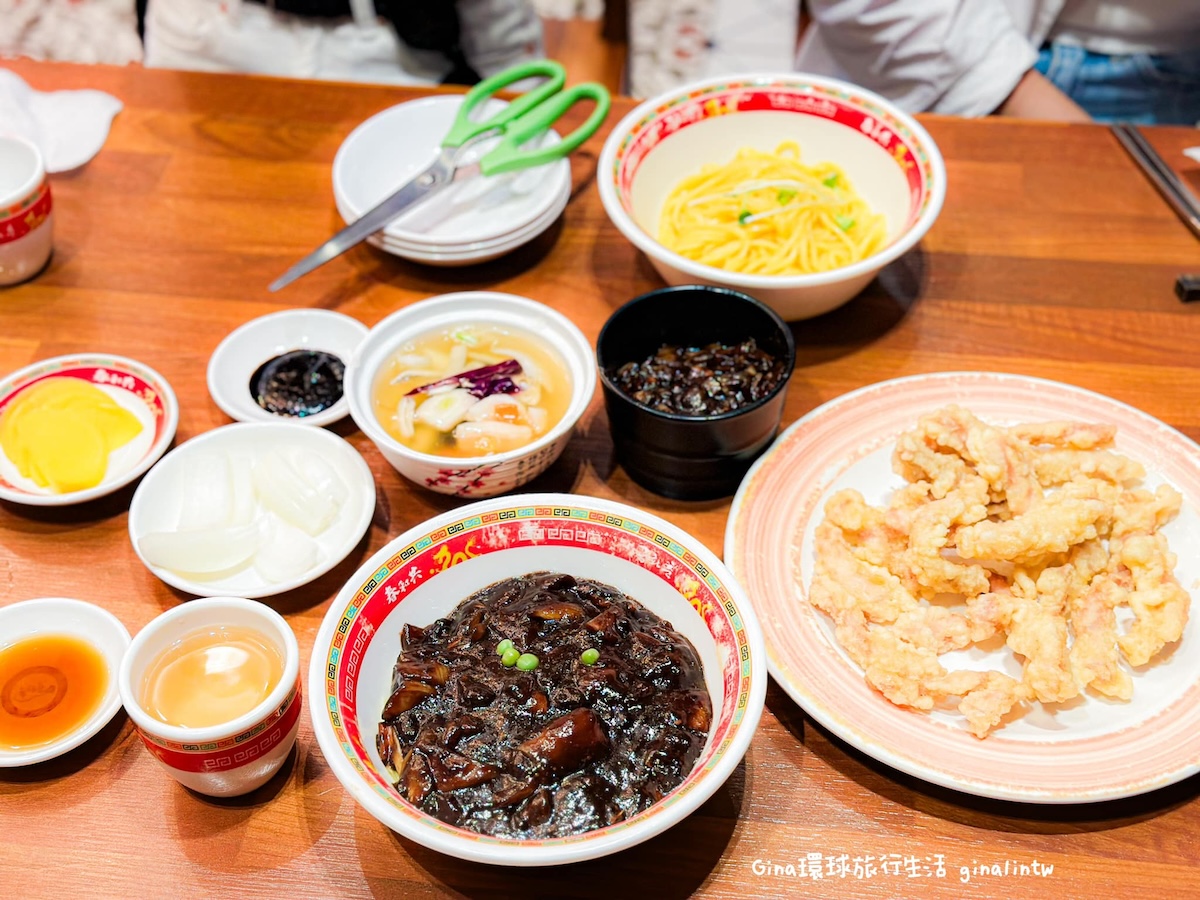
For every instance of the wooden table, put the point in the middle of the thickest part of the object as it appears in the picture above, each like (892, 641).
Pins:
(1053, 257)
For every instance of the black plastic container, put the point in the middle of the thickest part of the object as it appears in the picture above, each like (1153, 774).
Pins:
(690, 457)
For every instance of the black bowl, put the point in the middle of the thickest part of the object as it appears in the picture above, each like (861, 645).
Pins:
(681, 456)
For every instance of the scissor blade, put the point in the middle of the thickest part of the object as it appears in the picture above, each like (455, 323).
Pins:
(414, 191)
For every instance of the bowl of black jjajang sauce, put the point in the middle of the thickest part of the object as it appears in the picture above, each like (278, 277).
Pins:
(543, 706)
(694, 380)
(537, 679)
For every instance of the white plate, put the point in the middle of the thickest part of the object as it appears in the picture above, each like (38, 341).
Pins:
(133, 385)
(1089, 749)
(156, 503)
(392, 146)
(248, 346)
(59, 615)
(510, 240)
(481, 252)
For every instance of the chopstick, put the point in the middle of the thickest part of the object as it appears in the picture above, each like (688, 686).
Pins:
(1173, 189)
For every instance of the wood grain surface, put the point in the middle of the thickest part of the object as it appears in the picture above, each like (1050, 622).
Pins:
(1053, 257)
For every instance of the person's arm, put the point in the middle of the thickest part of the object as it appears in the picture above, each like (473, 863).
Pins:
(1036, 97)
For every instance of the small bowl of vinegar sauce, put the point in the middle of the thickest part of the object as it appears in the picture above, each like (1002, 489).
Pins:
(59, 660)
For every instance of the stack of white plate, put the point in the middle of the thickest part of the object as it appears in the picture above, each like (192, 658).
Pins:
(472, 221)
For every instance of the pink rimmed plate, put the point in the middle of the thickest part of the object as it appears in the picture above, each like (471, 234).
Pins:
(1086, 750)
(427, 571)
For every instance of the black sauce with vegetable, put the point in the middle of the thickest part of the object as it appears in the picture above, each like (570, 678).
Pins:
(701, 381)
(298, 383)
(482, 737)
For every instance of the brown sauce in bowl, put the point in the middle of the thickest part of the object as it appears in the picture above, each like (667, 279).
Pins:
(701, 381)
(558, 749)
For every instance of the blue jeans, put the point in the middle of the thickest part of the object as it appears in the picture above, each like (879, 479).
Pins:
(1140, 88)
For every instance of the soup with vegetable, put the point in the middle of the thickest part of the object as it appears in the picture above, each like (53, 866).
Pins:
(472, 390)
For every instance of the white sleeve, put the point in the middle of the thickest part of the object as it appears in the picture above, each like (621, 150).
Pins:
(497, 34)
(960, 57)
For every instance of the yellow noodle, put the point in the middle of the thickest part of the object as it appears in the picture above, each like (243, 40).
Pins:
(770, 214)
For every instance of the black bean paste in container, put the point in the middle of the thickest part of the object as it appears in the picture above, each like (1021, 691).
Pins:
(298, 383)
(701, 381)
(557, 750)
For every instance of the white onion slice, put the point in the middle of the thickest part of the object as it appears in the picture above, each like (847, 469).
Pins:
(284, 491)
(206, 493)
(203, 551)
(538, 418)
(444, 411)
(286, 552)
(321, 474)
(243, 502)
(405, 410)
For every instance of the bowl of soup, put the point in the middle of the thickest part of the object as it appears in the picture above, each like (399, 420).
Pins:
(472, 393)
(792, 188)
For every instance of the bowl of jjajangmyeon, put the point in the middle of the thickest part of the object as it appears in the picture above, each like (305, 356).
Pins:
(793, 188)
(536, 680)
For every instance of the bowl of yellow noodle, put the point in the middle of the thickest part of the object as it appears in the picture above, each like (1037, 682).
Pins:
(793, 188)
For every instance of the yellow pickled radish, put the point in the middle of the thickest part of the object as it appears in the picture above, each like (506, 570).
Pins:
(59, 433)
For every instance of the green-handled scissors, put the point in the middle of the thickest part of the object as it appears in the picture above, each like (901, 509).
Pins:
(526, 117)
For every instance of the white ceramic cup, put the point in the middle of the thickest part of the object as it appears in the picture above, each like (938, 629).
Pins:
(237, 756)
(26, 210)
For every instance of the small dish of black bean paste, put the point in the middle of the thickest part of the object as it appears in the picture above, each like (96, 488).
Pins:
(543, 706)
(701, 381)
(298, 383)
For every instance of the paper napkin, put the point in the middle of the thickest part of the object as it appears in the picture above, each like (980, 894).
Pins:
(69, 126)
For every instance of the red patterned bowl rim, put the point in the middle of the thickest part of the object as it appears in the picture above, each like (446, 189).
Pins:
(521, 521)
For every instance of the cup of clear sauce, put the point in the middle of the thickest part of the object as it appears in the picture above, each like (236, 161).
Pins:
(26, 211)
(213, 688)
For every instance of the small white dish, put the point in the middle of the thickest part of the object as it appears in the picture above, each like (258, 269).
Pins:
(158, 501)
(479, 252)
(60, 615)
(134, 386)
(394, 145)
(512, 239)
(248, 346)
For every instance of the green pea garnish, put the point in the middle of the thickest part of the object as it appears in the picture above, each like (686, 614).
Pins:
(510, 656)
(589, 656)
(503, 647)
(526, 662)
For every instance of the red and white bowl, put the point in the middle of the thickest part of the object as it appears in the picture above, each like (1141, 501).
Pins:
(26, 210)
(426, 572)
(892, 162)
(134, 386)
(471, 476)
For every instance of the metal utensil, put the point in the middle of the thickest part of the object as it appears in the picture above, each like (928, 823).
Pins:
(1173, 189)
(531, 114)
